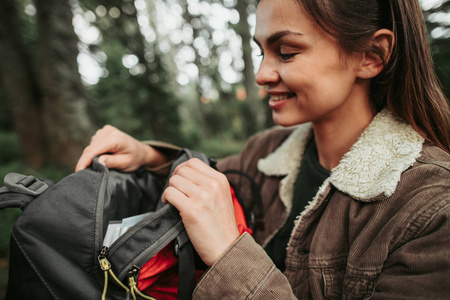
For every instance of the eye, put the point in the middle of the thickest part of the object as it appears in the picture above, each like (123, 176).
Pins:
(286, 56)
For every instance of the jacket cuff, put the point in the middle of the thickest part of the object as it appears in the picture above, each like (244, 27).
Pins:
(238, 273)
(168, 150)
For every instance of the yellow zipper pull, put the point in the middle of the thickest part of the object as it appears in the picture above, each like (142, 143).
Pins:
(132, 274)
(105, 265)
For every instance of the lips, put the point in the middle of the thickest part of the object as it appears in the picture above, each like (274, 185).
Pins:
(279, 97)
(278, 100)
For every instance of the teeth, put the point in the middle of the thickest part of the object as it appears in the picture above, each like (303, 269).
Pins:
(280, 97)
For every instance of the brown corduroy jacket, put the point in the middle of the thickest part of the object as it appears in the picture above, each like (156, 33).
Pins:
(378, 228)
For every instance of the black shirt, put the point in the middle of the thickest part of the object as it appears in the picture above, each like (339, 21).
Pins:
(309, 179)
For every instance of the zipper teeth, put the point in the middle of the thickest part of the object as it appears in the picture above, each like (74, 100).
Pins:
(155, 248)
(98, 215)
(161, 245)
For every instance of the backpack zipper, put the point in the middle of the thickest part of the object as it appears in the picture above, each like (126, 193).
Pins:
(132, 276)
(105, 265)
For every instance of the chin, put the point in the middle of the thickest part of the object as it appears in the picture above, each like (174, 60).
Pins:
(286, 121)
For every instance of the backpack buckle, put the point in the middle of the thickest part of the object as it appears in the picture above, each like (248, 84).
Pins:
(28, 185)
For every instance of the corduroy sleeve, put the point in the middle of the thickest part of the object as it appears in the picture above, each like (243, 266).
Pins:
(244, 272)
(169, 150)
(420, 268)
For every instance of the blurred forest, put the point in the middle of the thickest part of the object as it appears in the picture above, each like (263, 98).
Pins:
(177, 70)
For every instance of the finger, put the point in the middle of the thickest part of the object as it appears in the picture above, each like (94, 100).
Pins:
(202, 167)
(184, 185)
(85, 160)
(96, 134)
(103, 132)
(118, 161)
(196, 170)
(113, 161)
(176, 198)
(194, 175)
(89, 153)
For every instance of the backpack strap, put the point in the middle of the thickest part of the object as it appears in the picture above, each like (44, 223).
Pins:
(183, 246)
(186, 266)
(20, 190)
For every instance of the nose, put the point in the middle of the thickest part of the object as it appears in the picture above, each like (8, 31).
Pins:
(267, 73)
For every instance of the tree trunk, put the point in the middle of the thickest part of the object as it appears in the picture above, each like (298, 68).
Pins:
(19, 83)
(199, 108)
(66, 119)
(254, 112)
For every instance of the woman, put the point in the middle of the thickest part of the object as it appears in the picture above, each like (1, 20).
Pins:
(370, 161)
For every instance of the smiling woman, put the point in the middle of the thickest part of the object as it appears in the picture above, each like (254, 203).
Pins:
(310, 81)
(355, 188)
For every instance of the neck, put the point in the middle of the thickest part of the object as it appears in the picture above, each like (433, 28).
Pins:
(336, 135)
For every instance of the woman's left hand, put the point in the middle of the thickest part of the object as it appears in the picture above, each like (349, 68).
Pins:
(202, 196)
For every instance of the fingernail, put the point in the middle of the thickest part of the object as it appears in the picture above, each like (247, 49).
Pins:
(102, 160)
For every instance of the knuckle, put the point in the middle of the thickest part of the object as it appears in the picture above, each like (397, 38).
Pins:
(88, 150)
(114, 141)
(195, 160)
(191, 162)
(204, 194)
(214, 184)
(108, 127)
(172, 180)
(222, 177)
(167, 192)
(181, 169)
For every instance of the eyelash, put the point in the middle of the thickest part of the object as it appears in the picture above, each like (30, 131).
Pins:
(282, 55)
(286, 56)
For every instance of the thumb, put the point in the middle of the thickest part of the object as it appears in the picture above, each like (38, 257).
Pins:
(118, 161)
(102, 159)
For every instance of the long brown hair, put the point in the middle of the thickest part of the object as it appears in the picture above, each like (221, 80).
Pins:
(408, 85)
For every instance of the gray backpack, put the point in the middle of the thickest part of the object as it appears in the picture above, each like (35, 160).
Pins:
(57, 249)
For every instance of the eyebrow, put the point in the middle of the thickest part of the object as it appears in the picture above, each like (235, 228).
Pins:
(277, 35)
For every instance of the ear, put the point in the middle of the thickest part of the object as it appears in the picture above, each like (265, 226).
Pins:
(374, 61)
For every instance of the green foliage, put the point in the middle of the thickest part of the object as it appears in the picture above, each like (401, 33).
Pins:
(9, 147)
(220, 147)
(29, 29)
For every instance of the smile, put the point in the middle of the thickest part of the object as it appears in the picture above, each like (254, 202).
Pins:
(281, 97)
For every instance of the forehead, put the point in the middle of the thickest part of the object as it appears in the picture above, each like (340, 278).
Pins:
(278, 15)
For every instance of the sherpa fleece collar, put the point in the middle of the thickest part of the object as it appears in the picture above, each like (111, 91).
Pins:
(370, 170)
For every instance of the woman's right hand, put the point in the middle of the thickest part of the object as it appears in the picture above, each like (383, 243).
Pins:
(119, 150)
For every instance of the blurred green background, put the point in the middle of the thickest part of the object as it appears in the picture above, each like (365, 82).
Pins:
(181, 71)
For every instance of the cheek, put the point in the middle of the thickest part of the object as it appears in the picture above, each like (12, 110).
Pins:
(297, 78)
(318, 79)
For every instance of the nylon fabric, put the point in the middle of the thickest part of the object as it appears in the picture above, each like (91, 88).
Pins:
(58, 239)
